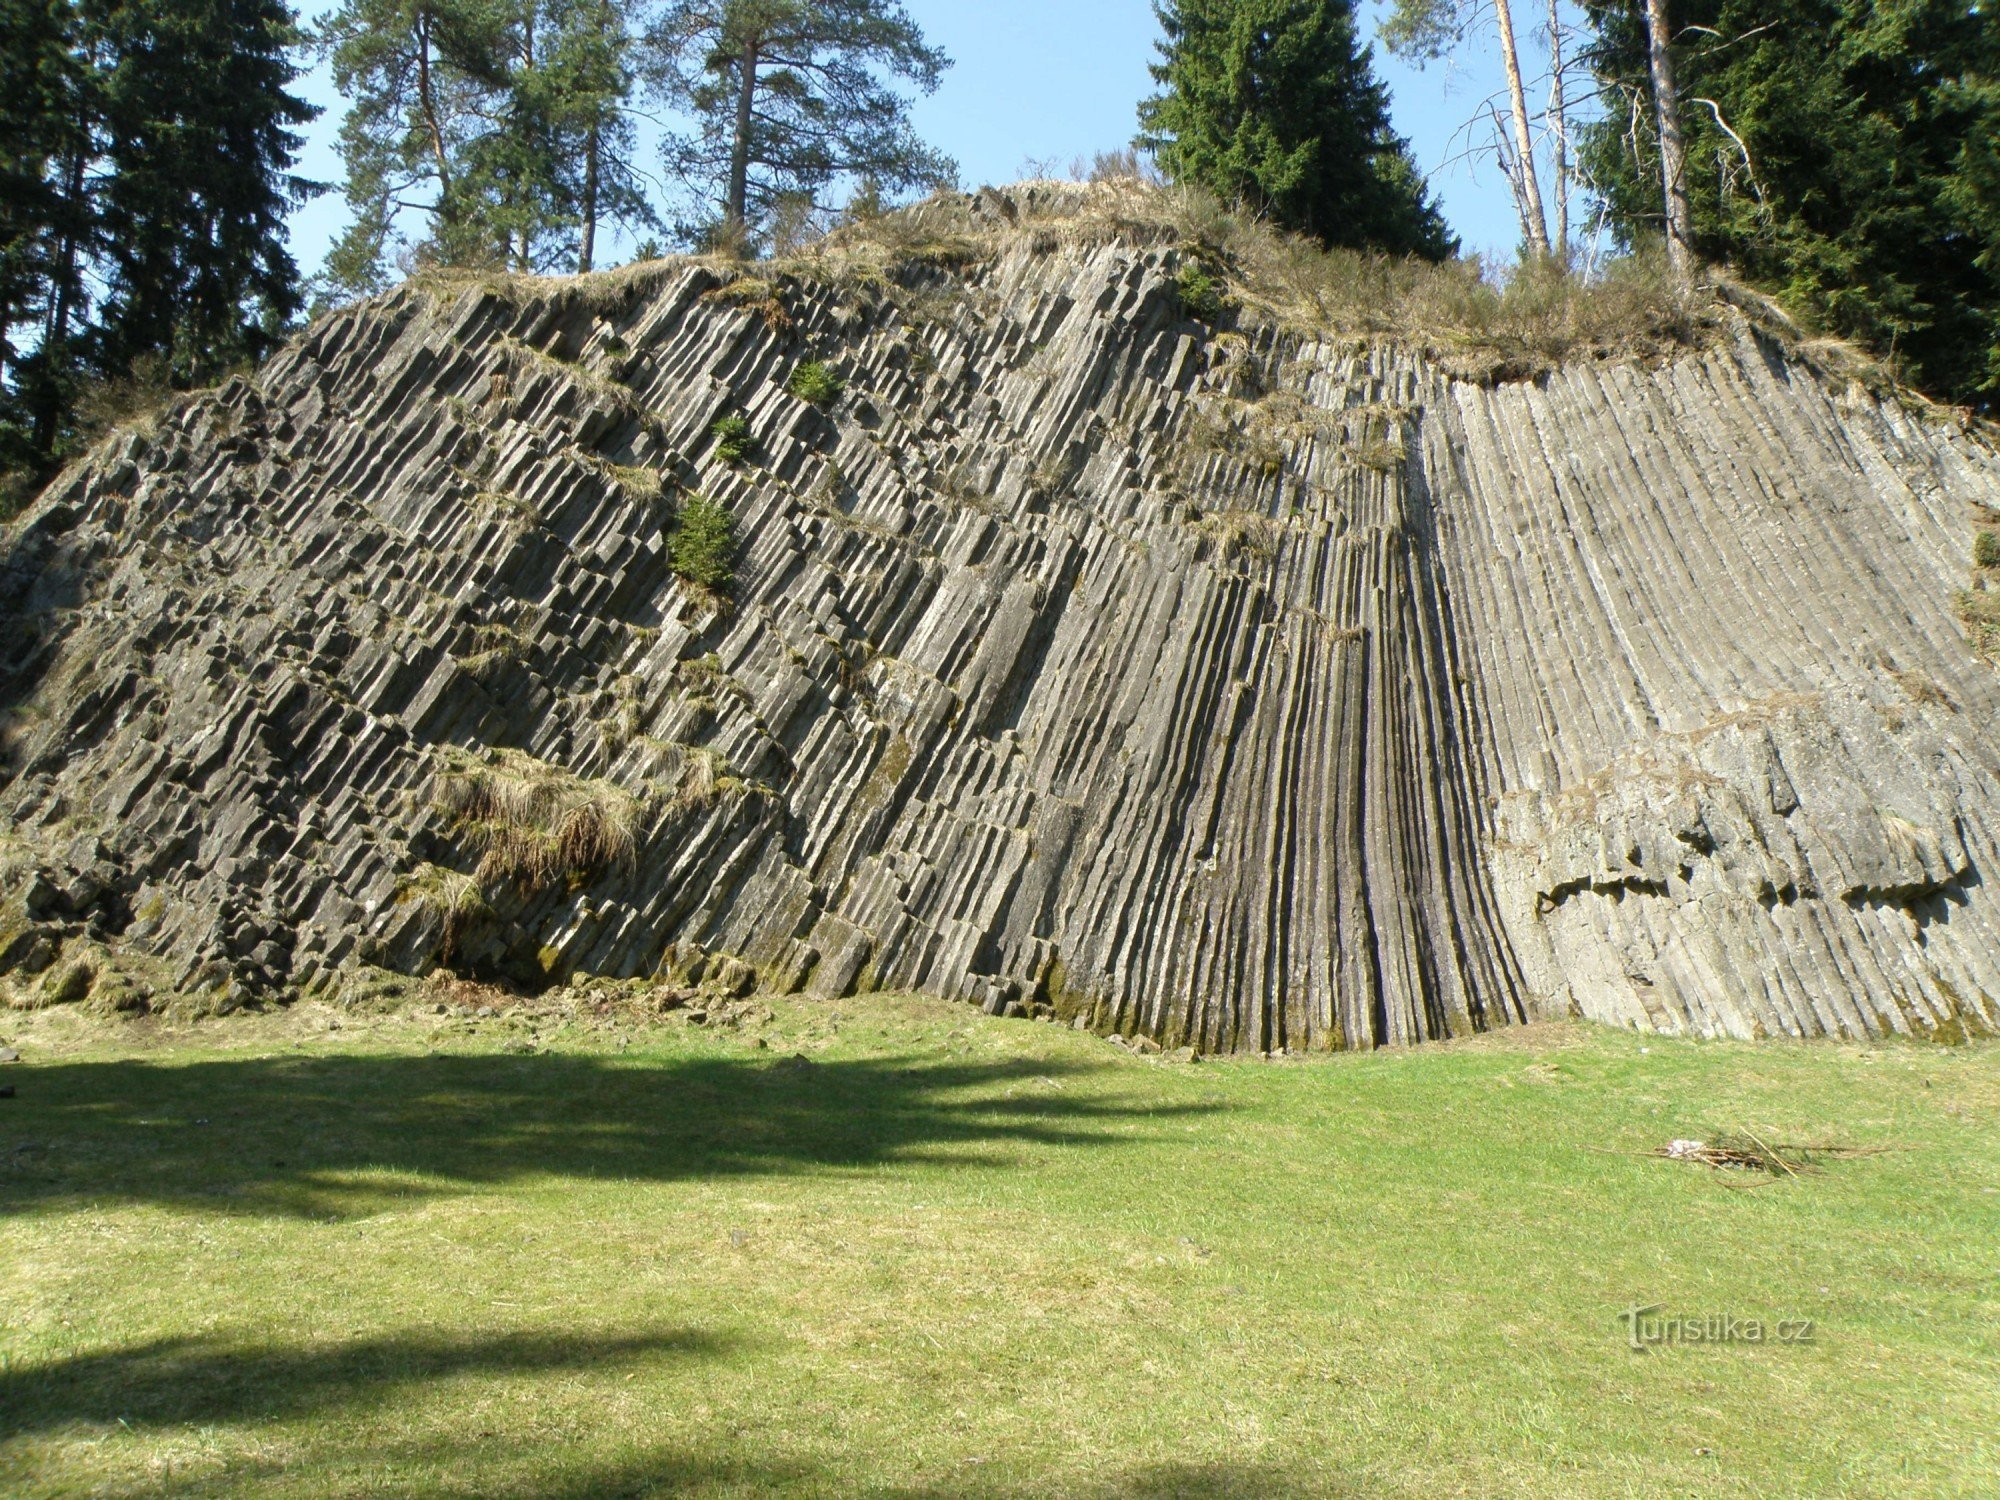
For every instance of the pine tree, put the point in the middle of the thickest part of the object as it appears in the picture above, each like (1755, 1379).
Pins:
(789, 95)
(424, 81)
(1426, 30)
(1841, 154)
(483, 132)
(1274, 103)
(591, 70)
(561, 164)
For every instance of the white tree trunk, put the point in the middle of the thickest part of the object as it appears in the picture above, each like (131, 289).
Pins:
(1534, 222)
(1673, 152)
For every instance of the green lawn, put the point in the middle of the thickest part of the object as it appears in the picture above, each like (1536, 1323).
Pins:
(948, 1256)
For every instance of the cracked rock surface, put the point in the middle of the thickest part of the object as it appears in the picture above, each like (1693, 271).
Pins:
(1229, 688)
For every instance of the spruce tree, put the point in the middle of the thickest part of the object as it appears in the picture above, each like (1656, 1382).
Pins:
(1843, 155)
(43, 149)
(147, 152)
(37, 109)
(198, 140)
(789, 95)
(1274, 103)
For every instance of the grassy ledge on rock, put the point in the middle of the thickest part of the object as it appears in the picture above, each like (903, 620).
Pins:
(1476, 320)
(534, 824)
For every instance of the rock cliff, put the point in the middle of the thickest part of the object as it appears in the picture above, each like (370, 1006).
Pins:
(1240, 686)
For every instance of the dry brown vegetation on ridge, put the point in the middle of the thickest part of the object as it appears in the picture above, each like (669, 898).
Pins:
(1479, 320)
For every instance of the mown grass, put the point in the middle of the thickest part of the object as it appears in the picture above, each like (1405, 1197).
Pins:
(568, 1255)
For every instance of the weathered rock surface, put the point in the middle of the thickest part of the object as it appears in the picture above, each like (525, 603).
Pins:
(1232, 689)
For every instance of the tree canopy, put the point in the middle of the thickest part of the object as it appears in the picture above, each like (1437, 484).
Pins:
(146, 154)
(482, 132)
(1842, 154)
(1275, 103)
(788, 95)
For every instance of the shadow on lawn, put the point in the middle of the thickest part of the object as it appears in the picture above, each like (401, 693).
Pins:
(523, 1471)
(200, 1381)
(675, 1475)
(314, 1135)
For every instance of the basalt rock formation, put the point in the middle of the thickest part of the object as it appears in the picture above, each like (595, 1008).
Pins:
(1243, 688)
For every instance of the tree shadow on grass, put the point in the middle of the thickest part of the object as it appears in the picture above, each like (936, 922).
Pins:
(335, 1135)
(204, 1380)
(528, 1470)
(679, 1474)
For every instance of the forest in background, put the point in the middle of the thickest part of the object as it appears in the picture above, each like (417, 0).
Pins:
(1843, 156)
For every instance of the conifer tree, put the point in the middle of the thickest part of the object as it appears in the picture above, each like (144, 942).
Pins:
(561, 164)
(198, 139)
(1424, 31)
(591, 68)
(147, 157)
(1274, 103)
(423, 79)
(789, 95)
(482, 132)
(1841, 154)
(43, 149)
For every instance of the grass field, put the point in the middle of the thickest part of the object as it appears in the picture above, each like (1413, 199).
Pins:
(894, 1248)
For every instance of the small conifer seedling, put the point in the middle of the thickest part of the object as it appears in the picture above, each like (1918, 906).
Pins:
(703, 547)
(732, 438)
(815, 382)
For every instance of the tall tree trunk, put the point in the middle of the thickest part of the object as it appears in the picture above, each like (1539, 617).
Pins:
(427, 103)
(1559, 123)
(1673, 151)
(586, 249)
(49, 406)
(516, 198)
(736, 216)
(1534, 223)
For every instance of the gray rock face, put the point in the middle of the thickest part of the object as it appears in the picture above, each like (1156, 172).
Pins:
(1232, 689)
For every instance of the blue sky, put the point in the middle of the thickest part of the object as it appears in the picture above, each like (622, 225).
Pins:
(1047, 81)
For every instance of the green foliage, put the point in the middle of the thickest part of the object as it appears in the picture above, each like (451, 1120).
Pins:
(44, 143)
(1200, 292)
(1857, 178)
(199, 124)
(1986, 549)
(815, 382)
(787, 96)
(482, 133)
(703, 548)
(1273, 103)
(732, 437)
(145, 173)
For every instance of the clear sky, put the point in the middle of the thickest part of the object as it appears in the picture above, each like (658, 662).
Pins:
(1043, 82)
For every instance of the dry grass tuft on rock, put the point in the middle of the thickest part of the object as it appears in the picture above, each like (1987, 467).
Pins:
(761, 297)
(535, 824)
(456, 900)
